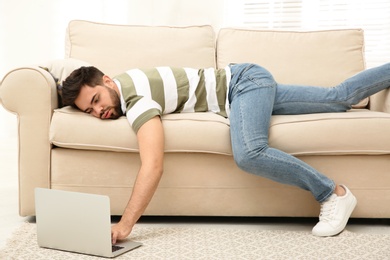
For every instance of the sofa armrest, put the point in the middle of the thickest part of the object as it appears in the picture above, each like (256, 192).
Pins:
(31, 94)
(380, 101)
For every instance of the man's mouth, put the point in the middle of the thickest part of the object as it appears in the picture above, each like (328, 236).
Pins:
(106, 114)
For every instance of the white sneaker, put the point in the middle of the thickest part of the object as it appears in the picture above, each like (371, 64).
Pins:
(335, 212)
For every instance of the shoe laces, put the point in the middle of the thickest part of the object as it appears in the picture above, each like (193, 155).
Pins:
(327, 208)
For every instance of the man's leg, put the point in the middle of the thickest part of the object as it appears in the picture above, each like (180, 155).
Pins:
(252, 96)
(292, 99)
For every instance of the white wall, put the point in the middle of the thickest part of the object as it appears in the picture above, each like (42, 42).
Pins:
(177, 12)
(33, 31)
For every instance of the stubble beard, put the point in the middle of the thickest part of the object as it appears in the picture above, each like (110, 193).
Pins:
(116, 104)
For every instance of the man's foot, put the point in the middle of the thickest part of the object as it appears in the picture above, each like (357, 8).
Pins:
(335, 212)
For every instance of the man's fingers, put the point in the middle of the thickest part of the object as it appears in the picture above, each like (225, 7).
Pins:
(119, 232)
(114, 236)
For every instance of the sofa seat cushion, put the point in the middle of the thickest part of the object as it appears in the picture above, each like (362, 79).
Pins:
(358, 131)
(190, 132)
(354, 132)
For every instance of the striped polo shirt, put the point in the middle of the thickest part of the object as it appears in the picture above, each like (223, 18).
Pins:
(146, 93)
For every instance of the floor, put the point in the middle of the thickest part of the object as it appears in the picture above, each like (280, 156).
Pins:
(10, 220)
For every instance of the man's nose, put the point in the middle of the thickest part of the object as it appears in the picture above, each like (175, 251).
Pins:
(97, 111)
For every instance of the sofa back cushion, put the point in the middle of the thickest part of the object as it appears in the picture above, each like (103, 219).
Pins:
(117, 48)
(321, 58)
(308, 58)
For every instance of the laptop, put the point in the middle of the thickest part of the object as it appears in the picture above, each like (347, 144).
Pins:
(76, 222)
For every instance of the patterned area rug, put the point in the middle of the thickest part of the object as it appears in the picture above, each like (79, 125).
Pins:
(215, 243)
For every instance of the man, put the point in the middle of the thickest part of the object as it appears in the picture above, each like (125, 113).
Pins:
(248, 95)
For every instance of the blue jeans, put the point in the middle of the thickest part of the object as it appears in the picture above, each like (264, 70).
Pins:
(254, 96)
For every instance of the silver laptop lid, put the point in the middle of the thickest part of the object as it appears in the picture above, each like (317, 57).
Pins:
(73, 221)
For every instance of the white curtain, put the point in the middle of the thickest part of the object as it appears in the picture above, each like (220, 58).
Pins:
(373, 16)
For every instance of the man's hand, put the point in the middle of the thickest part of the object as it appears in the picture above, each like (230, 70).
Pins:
(120, 231)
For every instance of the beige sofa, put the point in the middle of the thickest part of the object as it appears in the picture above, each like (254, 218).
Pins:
(62, 148)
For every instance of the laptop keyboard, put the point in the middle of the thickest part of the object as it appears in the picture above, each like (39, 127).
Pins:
(116, 248)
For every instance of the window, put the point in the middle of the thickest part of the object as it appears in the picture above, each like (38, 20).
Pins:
(373, 16)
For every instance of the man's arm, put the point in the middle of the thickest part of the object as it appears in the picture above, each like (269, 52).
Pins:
(151, 148)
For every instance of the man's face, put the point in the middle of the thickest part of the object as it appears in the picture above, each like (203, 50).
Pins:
(100, 101)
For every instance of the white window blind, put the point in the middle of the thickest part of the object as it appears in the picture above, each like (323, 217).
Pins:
(373, 16)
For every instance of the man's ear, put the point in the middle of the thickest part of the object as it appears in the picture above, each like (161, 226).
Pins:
(108, 81)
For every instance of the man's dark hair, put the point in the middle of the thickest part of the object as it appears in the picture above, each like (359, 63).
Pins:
(71, 86)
